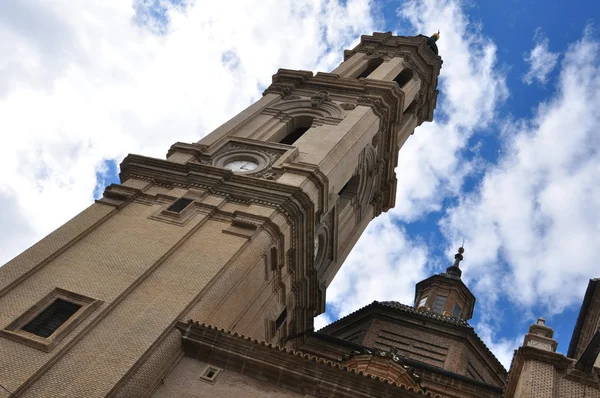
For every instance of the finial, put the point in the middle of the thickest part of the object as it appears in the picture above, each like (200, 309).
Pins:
(458, 257)
(436, 36)
(454, 270)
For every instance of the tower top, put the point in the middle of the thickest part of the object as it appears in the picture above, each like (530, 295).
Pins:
(431, 42)
(454, 271)
(446, 293)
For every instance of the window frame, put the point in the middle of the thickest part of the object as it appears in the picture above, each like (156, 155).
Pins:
(14, 331)
(176, 202)
(422, 302)
(460, 310)
(433, 306)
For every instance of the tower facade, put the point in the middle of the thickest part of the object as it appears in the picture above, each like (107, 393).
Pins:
(242, 230)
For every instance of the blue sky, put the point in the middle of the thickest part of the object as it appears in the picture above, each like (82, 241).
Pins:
(510, 163)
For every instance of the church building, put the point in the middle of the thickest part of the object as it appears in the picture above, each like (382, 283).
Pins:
(200, 275)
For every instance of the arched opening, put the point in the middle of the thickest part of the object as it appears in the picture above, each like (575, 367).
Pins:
(370, 68)
(299, 126)
(349, 191)
(412, 108)
(403, 77)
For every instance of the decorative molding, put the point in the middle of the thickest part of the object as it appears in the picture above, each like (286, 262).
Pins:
(14, 331)
(284, 89)
(318, 98)
(319, 107)
(347, 106)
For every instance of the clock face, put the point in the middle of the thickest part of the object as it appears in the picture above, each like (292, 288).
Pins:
(241, 166)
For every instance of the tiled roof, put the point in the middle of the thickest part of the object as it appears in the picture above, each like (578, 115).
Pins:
(307, 357)
(428, 314)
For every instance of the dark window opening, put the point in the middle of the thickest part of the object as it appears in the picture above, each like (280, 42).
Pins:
(371, 66)
(179, 205)
(412, 108)
(403, 77)
(210, 374)
(300, 126)
(457, 310)
(349, 190)
(281, 319)
(294, 135)
(273, 256)
(57, 313)
(438, 305)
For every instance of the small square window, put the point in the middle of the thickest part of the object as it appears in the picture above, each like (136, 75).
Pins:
(210, 374)
(47, 322)
(422, 302)
(439, 303)
(180, 204)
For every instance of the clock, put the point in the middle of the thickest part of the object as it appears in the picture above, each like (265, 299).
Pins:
(241, 166)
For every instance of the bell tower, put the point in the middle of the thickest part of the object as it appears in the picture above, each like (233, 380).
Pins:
(243, 230)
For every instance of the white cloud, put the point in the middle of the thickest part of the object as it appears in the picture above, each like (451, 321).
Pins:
(471, 87)
(84, 83)
(384, 265)
(541, 61)
(532, 226)
(430, 166)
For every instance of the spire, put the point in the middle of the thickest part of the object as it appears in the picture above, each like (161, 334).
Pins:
(454, 270)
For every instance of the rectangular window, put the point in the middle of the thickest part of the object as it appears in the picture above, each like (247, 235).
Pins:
(179, 205)
(49, 320)
(439, 303)
(422, 302)
(457, 310)
(57, 313)
(281, 319)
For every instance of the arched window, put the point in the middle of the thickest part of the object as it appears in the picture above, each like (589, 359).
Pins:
(370, 68)
(299, 125)
(404, 77)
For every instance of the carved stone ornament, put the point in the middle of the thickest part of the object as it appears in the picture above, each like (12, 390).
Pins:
(347, 106)
(292, 97)
(318, 98)
(268, 175)
(284, 89)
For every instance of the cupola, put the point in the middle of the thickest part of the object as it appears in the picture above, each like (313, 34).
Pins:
(446, 293)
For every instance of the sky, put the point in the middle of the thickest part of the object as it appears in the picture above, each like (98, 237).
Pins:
(510, 163)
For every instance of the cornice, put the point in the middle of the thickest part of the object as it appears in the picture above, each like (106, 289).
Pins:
(415, 52)
(276, 363)
(460, 325)
(383, 97)
(562, 364)
(291, 201)
(581, 318)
